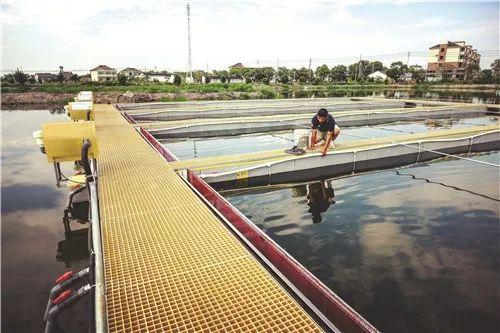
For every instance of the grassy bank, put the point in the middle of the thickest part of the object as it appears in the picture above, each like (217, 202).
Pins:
(225, 87)
(54, 93)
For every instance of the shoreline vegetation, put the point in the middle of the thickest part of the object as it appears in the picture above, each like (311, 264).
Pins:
(54, 93)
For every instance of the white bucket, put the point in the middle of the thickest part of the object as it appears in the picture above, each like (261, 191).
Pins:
(301, 137)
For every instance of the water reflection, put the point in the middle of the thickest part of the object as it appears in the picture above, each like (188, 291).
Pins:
(319, 195)
(74, 249)
(31, 227)
(408, 253)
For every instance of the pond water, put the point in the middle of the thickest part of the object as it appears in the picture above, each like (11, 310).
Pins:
(477, 96)
(32, 209)
(412, 251)
(404, 252)
(208, 147)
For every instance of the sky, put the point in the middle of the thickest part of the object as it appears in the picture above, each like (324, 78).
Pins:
(152, 34)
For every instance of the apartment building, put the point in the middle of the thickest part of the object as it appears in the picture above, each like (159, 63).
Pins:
(451, 58)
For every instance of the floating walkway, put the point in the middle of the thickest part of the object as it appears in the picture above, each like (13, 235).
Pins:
(172, 265)
(166, 113)
(194, 128)
(273, 167)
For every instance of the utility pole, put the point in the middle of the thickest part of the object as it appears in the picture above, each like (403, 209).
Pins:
(190, 69)
(357, 75)
(309, 71)
(276, 77)
(408, 60)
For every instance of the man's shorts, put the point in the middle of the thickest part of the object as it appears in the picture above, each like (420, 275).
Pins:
(304, 140)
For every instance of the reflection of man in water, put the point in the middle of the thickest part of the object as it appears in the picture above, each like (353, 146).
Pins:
(320, 196)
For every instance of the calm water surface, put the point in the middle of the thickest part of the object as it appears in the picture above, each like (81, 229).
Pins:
(32, 209)
(409, 251)
(409, 254)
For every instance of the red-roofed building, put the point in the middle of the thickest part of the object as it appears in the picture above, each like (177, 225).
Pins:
(103, 73)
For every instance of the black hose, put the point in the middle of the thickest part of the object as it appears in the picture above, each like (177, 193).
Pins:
(85, 157)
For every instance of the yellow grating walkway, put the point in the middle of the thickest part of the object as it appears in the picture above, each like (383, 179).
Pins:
(170, 264)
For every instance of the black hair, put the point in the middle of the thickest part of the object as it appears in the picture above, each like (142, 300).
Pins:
(323, 112)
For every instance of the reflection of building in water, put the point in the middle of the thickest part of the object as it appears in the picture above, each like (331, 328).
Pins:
(320, 196)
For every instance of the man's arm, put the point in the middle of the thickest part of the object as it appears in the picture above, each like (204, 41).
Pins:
(329, 136)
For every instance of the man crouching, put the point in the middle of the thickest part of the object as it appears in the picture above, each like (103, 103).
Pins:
(328, 130)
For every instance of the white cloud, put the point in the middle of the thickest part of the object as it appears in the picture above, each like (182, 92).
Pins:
(152, 33)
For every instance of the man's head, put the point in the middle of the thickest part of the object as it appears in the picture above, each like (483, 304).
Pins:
(322, 115)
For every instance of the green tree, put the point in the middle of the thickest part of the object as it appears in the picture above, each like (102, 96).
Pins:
(338, 73)
(122, 79)
(352, 71)
(198, 75)
(236, 71)
(177, 80)
(495, 66)
(247, 73)
(396, 70)
(263, 74)
(375, 66)
(8, 78)
(32, 79)
(485, 76)
(75, 78)
(304, 75)
(417, 73)
(60, 77)
(223, 75)
(283, 75)
(322, 72)
(20, 77)
(471, 72)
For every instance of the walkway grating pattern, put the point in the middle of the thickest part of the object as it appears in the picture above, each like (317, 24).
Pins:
(170, 264)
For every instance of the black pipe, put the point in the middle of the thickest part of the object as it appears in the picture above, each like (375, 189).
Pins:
(85, 157)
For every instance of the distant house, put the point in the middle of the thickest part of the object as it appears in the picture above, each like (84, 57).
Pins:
(45, 77)
(131, 72)
(236, 79)
(378, 76)
(159, 77)
(237, 65)
(211, 79)
(103, 73)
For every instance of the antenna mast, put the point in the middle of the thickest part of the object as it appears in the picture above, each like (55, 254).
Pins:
(190, 70)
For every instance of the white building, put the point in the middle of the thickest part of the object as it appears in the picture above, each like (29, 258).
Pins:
(159, 77)
(131, 72)
(378, 76)
(236, 79)
(103, 73)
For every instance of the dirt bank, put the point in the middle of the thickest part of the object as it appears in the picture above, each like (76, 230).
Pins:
(38, 98)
